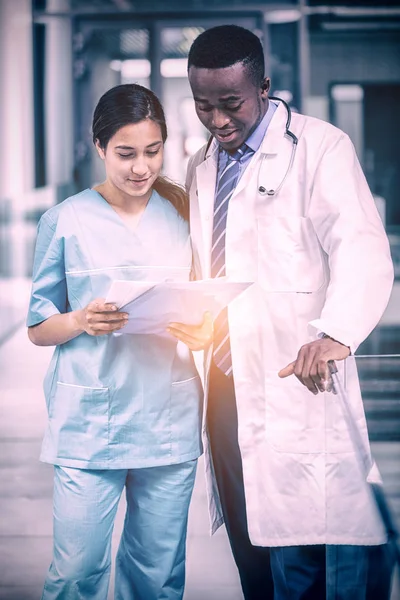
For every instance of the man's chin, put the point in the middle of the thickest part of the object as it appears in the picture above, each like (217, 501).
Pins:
(232, 145)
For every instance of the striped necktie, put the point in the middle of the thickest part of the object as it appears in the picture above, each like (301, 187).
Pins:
(225, 187)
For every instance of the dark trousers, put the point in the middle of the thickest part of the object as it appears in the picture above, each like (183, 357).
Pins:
(253, 562)
(332, 572)
(295, 572)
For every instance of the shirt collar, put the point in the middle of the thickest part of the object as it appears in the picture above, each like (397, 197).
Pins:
(255, 139)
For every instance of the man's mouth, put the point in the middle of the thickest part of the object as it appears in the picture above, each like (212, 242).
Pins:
(225, 136)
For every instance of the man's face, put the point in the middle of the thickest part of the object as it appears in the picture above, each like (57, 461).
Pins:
(228, 103)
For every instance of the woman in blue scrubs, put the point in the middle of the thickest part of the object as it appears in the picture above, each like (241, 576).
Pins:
(124, 410)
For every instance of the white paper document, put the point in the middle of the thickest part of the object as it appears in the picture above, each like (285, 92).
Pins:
(153, 305)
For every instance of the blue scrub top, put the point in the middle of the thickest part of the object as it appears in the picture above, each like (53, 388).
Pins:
(114, 401)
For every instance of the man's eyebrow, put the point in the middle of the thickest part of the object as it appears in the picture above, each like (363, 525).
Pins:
(222, 99)
(123, 147)
(230, 98)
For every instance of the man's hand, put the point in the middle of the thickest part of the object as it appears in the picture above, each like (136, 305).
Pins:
(196, 337)
(311, 366)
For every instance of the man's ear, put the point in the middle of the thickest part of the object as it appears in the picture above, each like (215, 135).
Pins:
(100, 150)
(265, 86)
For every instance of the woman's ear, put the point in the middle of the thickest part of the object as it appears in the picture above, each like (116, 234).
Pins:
(100, 150)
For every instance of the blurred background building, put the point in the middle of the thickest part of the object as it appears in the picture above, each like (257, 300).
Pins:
(336, 60)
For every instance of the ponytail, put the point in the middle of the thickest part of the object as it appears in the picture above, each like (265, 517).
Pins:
(175, 194)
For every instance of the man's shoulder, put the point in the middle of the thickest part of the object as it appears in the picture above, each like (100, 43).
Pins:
(308, 124)
(198, 156)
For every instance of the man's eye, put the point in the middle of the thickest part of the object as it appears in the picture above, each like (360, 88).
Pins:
(126, 155)
(204, 108)
(153, 152)
(233, 108)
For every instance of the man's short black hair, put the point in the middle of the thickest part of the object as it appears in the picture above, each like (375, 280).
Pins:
(226, 45)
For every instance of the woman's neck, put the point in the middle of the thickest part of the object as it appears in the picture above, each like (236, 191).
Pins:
(122, 203)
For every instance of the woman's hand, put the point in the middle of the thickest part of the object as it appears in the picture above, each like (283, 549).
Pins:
(100, 318)
(196, 337)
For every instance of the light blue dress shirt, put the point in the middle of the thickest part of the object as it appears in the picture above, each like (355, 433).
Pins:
(253, 141)
(114, 401)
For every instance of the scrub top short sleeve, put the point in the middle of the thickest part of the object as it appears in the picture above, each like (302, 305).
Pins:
(49, 290)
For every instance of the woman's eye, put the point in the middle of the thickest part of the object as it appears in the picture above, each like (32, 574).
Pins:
(126, 155)
(153, 152)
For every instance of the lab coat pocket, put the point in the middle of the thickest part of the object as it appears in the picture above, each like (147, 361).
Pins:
(293, 416)
(78, 417)
(289, 255)
(186, 413)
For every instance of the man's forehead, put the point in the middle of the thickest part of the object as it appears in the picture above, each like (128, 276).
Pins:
(225, 84)
(235, 77)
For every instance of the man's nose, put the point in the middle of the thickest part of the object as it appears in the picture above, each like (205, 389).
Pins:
(219, 119)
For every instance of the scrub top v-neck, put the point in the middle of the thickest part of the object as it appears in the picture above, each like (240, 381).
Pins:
(150, 210)
(114, 401)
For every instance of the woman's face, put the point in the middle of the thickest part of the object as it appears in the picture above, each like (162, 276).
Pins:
(133, 158)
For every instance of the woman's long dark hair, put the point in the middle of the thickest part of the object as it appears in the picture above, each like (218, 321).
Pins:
(131, 103)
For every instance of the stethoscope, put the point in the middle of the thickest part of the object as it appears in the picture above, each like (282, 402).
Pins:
(261, 189)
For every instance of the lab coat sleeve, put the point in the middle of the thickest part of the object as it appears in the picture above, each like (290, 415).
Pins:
(189, 174)
(194, 162)
(49, 291)
(350, 231)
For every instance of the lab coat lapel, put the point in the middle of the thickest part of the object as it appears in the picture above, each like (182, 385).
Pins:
(206, 174)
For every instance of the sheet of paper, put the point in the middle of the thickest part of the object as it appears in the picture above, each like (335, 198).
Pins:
(152, 306)
(121, 292)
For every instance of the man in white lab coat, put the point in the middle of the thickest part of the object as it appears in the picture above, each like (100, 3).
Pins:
(283, 203)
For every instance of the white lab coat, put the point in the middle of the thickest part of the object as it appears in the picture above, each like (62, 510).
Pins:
(319, 257)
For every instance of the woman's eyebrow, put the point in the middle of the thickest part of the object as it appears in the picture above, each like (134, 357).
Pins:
(124, 147)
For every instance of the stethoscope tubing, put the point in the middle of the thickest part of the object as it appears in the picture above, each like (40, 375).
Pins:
(261, 189)
(272, 192)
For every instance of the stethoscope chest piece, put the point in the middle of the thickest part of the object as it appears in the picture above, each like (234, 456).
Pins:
(266, 192)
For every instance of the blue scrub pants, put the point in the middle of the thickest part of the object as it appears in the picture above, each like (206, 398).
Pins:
(150, 562)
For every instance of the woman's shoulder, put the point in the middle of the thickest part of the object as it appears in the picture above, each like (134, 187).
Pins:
(53, 214)
(169, 210)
